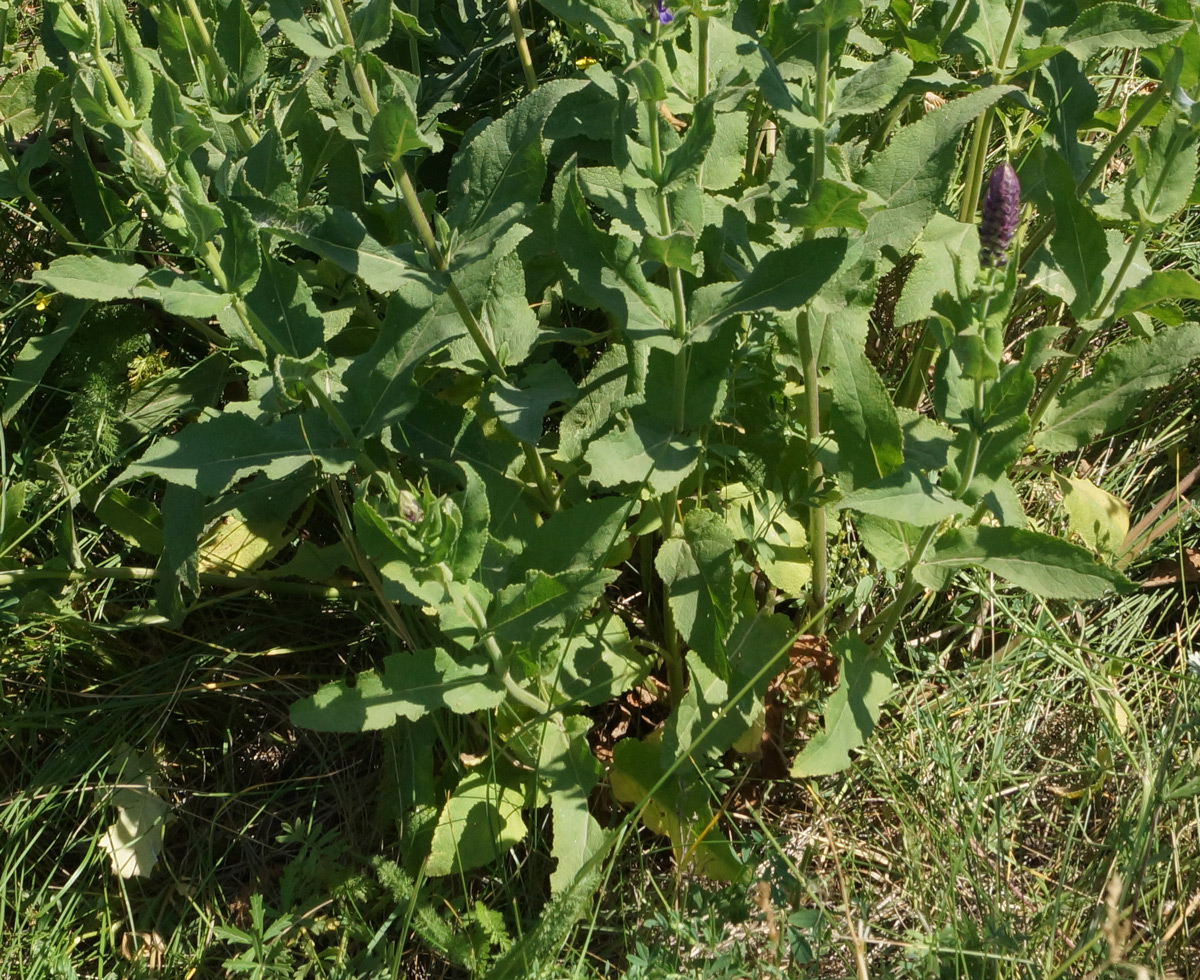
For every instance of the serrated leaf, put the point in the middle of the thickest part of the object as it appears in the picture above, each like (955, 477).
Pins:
(182, 295)
(1118, 25)
(833, 204)
(1090, 407)
(237, 43)
(497, 176)
(241, 257)
(1078, 245)
(595, 662)
(411, 685)
(870, 443)
(395, 132)
(643, 451)
(521, 406)
(783, 280)
(912, 174)
(371, 24)
(1161, 286)
(282, 304)
(873, 88)
(1039, 563)
(1165, 171)
(697, 569)
(212, 454)
(91, 277)
(906, 495)
(852, 712)
(585, 536)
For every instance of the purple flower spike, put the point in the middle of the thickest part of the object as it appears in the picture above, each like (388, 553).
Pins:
(1001, 210)
(664, 12)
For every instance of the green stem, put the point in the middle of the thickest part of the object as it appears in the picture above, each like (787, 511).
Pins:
(496, 655)
(401, 178)
(35, 199)
(818, 544)
(950, 23)
(884, 623)
(514, 20)
(702, 57)
(125, 573)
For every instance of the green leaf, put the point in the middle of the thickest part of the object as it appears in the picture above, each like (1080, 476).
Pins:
(181, 294)
(697, 569)
(1160, 287)
(586, 536)
(864, 684)
(870, 444)
(241, 258)
(984, 28)
(1098, 517)
(91, 277)
(479, 824)
(395, 132)
(568, 771)
(676, 807)
(906, 495)
(239, 46)
(1039, 563)
(283, 309)
(595, 662)
(872, 89)
(379, 384)
(912, 174)
(683, 163)
(948, 263)
(337, 235)
(211, 454)
(307, 34)
(139, 78)
(609, 18)
(1095, 405)
(137, 521)
(35, 358)
(542, 601)
(643, 451)
(1078, 245)
(1164, 171)
(411, 685)
(1118, 25)
(521, 406)
(371, 24)
(783, 280)
(497, 176)
(893, 543)
(606, 268)
(833, 204)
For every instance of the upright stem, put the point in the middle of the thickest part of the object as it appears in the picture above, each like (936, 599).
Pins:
(399, 174)
(702, 56)
(818, 544)
(514, 20)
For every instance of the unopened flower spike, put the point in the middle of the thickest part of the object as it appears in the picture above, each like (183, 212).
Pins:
(664, 12)
(1001, 210)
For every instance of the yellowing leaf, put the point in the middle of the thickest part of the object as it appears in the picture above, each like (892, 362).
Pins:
(1098, 517)
(239, 547)
(135, 841)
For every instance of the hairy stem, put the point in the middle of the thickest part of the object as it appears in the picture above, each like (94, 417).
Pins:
(514, 20)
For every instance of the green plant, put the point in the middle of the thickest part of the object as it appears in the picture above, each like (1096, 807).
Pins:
(595, 406)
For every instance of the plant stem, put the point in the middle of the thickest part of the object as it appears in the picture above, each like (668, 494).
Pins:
(496, 655)
(818, 544)
(950, 22)
(702, 57)
(399, 174)
(126, 573)
(514, 20)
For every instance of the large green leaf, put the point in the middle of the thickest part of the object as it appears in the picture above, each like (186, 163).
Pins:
(213, 453)
(587, 535)
(1097, 404)
(906, 495)
(852, 712)
(643, 451)
(91, 277)
(1078, 245)
(870, 444)
(697, 569)
(1118, 25)
(912, 174)
(873, 88)
(1164, 172)
(498, 173)
(239, 46)
(411, 685)
(283, 308)
(1039, 563)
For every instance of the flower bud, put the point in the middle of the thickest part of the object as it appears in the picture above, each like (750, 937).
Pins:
(664, 12)
(1001, 210)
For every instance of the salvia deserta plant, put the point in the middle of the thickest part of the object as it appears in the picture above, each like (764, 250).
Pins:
(590, 403)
